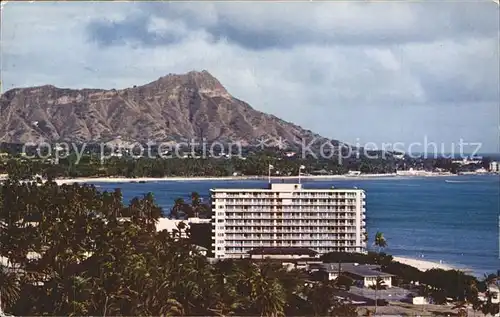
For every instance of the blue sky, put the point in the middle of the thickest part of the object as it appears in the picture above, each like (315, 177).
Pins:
(380, 72)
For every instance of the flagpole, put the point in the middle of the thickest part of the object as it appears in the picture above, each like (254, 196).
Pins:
(300, 167)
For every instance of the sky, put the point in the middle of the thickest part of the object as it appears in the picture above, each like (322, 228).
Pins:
(361, 72)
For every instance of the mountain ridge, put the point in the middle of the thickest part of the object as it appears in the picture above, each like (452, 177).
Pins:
(194, 105)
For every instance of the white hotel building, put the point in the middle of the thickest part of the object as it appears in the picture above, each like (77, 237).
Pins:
(287, 215)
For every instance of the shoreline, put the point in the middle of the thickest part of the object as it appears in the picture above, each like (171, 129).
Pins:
(122, 179)
(424, 265)
(62, 181)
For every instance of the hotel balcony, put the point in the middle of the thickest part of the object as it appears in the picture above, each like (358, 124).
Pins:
(290, 224)
(290, 204)
(293, 218)
(280, 231)
(287, 244)
(287, 236)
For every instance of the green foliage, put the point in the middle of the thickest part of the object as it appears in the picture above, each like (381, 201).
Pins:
(451, 283)
(380, 241)
(369, 258)
(405, 274)
(254, 163)
(323, 301)
(345, 281)
(183, 210)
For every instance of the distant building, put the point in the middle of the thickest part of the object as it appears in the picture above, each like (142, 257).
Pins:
(399, 156)
(287, 215)
(481, 171)
(412, 172)
(469, 160)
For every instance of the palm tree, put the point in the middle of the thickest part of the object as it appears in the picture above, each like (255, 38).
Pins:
(227, 301)
(181, 228)
(320, 297)
(195, 204)
(472, 296)
(264, 294)
(380, 241)
(9, 288)
(178, 208)
(173, 308)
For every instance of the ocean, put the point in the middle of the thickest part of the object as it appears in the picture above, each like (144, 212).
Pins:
(450, 219)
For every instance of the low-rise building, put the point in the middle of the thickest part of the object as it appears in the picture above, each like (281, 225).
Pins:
(364, 275)
(283, 253)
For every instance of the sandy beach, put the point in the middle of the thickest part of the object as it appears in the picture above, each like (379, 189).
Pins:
(423, 265)
(231, 178)
(121, 179)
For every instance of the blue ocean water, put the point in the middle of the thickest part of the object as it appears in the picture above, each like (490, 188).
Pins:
(454, 220)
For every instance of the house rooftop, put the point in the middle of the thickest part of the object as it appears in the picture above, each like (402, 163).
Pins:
(363, 270)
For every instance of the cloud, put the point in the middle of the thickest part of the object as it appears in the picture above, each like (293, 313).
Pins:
(357, 72)
(464, 71)
(135, 30)
(274, 25)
